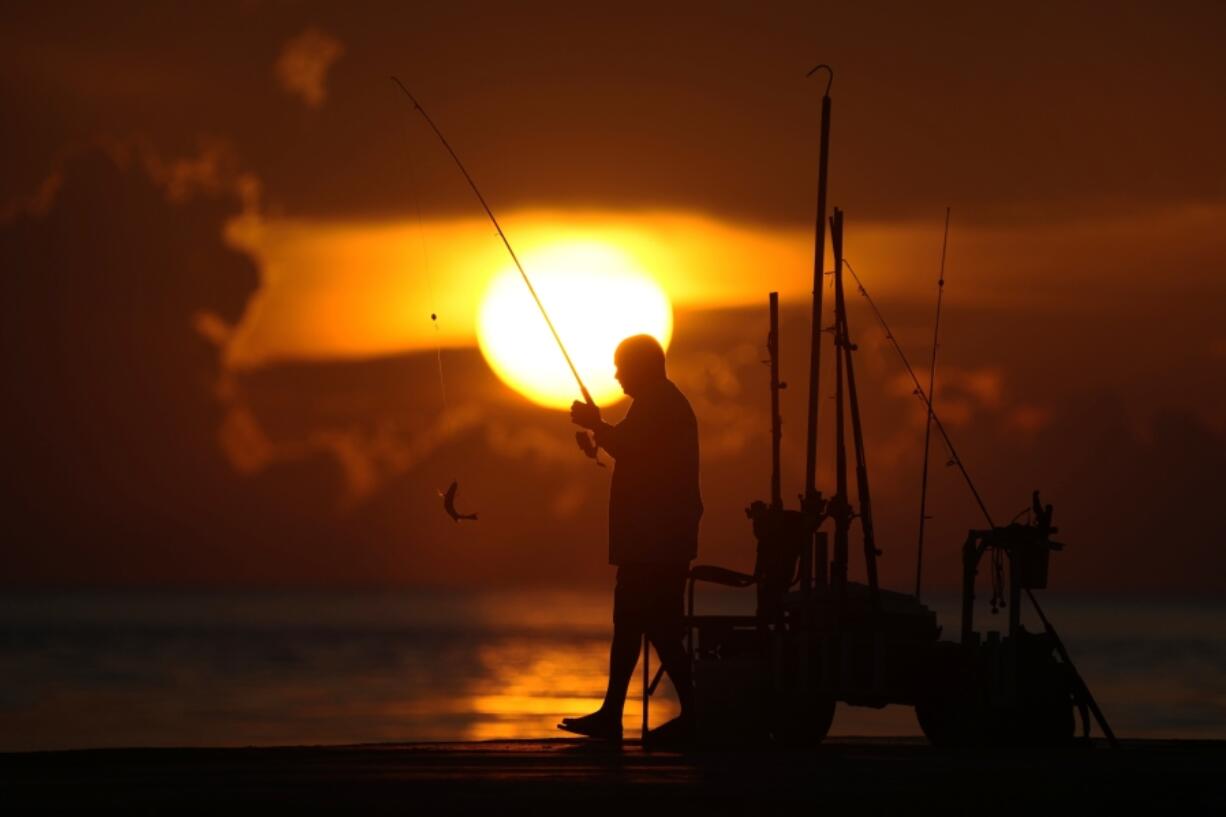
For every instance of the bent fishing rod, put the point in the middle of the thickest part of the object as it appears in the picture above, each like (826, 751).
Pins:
(923, 396)
(926, 398)
(587, 397)
(932, 380)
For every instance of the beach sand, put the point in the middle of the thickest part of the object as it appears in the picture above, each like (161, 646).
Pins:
(546, 777)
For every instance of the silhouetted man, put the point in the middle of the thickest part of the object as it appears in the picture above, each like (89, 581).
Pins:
(654, 508)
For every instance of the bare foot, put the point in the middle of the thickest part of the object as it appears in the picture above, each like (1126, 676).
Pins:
(596, 725)
(678, 733)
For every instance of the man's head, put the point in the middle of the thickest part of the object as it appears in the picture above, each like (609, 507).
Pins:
(640, 363)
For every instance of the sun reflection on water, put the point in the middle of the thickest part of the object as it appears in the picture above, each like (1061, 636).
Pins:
(211, 669)
(528, 686)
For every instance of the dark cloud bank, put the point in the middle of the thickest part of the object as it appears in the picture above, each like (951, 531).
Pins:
(1045, 112)
(133, 458)
(113, 469)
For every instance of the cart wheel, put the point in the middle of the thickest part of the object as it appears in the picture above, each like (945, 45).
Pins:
(947, 706)
(946, 722)
(804, 725)
(1050, 720)
(1047, 715)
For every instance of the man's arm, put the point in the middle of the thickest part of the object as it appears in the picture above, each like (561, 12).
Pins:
(610, 438)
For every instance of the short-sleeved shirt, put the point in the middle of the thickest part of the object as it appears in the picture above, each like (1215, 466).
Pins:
(654, 498)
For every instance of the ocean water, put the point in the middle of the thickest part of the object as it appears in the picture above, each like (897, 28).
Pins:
(89, 669)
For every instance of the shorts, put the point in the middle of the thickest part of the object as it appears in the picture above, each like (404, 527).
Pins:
(651, 597)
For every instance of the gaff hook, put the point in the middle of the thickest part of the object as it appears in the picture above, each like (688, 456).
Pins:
(829, 81)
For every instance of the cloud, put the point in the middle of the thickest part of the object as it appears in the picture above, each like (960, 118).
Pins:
(113, 302)
(1071, 140)
(569, 501)
(370, 457)
(303, 65)
(1029, 419)
(212, 171)
(1137, 508)
(534, 443)
(36, 203)
(961, 393)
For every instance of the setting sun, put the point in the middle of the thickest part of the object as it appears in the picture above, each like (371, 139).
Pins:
(596, 296)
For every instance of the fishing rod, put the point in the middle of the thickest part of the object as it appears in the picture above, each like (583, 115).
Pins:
(1081, 689)
(587, 397)
(811, 498)
(932, 378)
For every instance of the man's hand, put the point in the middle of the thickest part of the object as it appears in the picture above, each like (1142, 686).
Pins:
(585, 415)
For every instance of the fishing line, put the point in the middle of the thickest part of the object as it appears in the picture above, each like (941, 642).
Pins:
(448, 496)
(1082, 688)
(425, 260)
(922, 395)
(932, 379)
(587, 397)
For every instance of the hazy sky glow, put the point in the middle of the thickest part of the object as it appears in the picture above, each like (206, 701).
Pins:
(224, 231)
(342, 289)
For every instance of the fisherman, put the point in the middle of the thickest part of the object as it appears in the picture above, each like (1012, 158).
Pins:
(654, 509)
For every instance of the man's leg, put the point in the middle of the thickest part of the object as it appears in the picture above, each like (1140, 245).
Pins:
(665, 633)
(628, 624)
(623, 657)
(676, 663)
(606, 722)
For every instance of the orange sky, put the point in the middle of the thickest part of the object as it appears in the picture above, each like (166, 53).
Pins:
(226, 231)
(348, 288)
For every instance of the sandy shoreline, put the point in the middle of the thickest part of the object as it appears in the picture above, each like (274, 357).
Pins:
(573, 777)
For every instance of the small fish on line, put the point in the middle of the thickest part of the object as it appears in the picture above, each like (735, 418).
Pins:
(449, 503)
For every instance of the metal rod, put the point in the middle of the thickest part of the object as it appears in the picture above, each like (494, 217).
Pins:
(587, 397)
(932, 378)
(655, 680)
(646, 684)
(1083, 689)
(853, 405)
(841, 506)
(819, 258)
(971, 551)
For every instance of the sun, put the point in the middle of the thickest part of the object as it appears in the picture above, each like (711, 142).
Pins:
(596, 296)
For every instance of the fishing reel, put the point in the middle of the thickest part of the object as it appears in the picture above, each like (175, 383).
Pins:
(587, 444)
(1026, 547)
